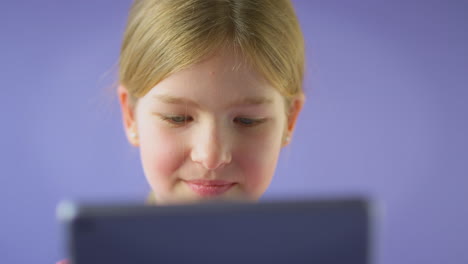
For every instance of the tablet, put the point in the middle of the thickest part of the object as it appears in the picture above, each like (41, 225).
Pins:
(317, 231)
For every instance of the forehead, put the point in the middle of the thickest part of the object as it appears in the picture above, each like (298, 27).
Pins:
(221, 79)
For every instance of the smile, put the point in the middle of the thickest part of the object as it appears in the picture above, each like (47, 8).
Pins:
(207, 188)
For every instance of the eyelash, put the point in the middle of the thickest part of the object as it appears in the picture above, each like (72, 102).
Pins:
(172, 122)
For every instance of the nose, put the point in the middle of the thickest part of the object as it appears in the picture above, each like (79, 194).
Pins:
(211, 148)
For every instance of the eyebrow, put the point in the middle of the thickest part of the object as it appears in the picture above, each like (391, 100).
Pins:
(169, 99)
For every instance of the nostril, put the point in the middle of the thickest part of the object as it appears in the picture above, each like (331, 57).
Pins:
(214, 165)
(212, 161)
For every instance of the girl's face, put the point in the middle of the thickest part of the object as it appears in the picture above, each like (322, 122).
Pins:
(211, 131)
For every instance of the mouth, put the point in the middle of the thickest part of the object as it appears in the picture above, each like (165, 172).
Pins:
(209, 188)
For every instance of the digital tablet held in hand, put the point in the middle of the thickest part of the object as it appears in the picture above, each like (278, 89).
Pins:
(323, 231)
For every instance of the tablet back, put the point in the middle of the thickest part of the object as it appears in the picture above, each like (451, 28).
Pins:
(325, 232)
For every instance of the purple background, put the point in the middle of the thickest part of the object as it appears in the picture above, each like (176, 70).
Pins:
(386, 116)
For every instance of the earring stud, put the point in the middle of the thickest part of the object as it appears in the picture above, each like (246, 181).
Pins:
(133, 135)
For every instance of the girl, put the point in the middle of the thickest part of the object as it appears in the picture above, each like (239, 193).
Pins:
(210, 91)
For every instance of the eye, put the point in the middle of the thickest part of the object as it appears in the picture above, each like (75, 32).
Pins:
(248, 122)
(177, 120)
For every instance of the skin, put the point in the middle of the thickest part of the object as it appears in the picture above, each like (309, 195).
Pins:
(195, 124)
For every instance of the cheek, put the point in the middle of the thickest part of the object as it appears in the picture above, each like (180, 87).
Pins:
(161, 155)
(258, 158)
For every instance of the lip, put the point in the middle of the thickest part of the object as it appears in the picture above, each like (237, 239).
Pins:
(209, 188)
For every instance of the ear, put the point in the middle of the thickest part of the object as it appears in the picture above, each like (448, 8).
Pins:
(128, 115)
(294, 110)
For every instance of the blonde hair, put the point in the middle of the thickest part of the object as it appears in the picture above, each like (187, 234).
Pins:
(166, 36)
